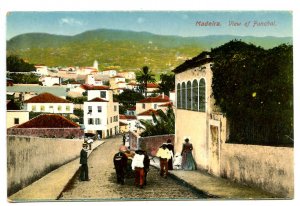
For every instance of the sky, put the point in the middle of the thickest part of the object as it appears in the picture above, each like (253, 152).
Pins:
(179, 23)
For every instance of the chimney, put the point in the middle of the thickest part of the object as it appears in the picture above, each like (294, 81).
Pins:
(163, 95)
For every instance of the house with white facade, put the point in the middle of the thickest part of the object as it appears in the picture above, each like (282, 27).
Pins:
(91, 79)
(41, 70)
(15, 116)
(151, 103)
(108, 72)
(101, 113)
(131, 122)
(127, 75)
(49, 81)
(48, 103)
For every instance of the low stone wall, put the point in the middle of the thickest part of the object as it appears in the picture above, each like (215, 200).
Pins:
(30, 158)
(269, 168)
(69, 133)
(152, 143)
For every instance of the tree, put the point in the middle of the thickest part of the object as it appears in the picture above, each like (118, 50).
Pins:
(163, 123)
(21, 78)
(16, 64)
(144, 77)
(255, 85)
(167, 83)
(128, 98)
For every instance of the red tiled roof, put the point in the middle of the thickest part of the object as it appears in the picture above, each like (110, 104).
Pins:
(92, 87)
(152, 85)
(122, 116)
(46, 98)
(132, 109)
(166, 104)
(122, 124)
(148, 113)
(132, 83)
(97, 99)
(117, 76)
(155, 99)
(48, 121)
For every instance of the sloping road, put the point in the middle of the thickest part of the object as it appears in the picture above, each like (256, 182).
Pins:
(103, 186)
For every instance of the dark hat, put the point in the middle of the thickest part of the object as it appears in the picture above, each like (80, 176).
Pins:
(169, 141)
(84, 145)
(186, 139)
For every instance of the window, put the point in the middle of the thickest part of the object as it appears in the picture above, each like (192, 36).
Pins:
(155, 106)
(90, 109)
(59, 108)
(195, 95)
(33, 108)
(202, 95)
(178, 96)
(97, 121)
(144, 106)
(102, 94)
(110, 119)
(16, 121)
(183, 96)
(115, 108)
(68, 108)
(42, 108)
(99, 109)
(90, 121)
(189, 95)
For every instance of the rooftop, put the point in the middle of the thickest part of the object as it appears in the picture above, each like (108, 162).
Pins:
(148, 113)
(92, 87)
(125, 117)
(97, 99)
(48, 121)
(46, 98)
(159, 98)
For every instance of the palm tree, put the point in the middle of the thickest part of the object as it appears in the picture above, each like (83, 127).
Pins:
(144, 77)
(163, 123)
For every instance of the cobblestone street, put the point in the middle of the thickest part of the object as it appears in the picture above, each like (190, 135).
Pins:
(103, 186)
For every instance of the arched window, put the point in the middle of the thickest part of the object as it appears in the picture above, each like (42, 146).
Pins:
(189, 95)
(195, 95)
(202, 95)
(183, 92)
(178, 96)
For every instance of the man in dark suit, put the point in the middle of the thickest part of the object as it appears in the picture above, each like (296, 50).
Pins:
(170, 147)
(120, 163)
(84, 173)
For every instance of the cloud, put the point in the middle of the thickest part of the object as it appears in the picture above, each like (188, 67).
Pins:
(140, 20)
(70, 22)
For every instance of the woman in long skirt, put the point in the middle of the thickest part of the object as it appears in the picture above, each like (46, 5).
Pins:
(188, 162)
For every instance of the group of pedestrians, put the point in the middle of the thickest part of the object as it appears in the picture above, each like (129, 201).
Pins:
(126, 161)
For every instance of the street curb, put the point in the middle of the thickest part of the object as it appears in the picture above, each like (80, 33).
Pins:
(75, 173)
(188, 185)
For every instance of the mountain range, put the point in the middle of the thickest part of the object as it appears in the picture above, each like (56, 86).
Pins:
(126, 50)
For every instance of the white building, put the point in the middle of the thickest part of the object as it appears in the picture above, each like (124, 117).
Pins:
(101, 113)
(50, 81)
(109, 72)
(127, 75)
(41, 69)
(48, 103)
(92, 80)
(131, 121)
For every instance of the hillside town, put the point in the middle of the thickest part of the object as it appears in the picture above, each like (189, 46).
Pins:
(118, 115)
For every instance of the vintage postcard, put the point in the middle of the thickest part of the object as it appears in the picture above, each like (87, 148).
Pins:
(170, 105)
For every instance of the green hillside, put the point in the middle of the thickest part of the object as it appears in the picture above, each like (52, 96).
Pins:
(127, 49)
